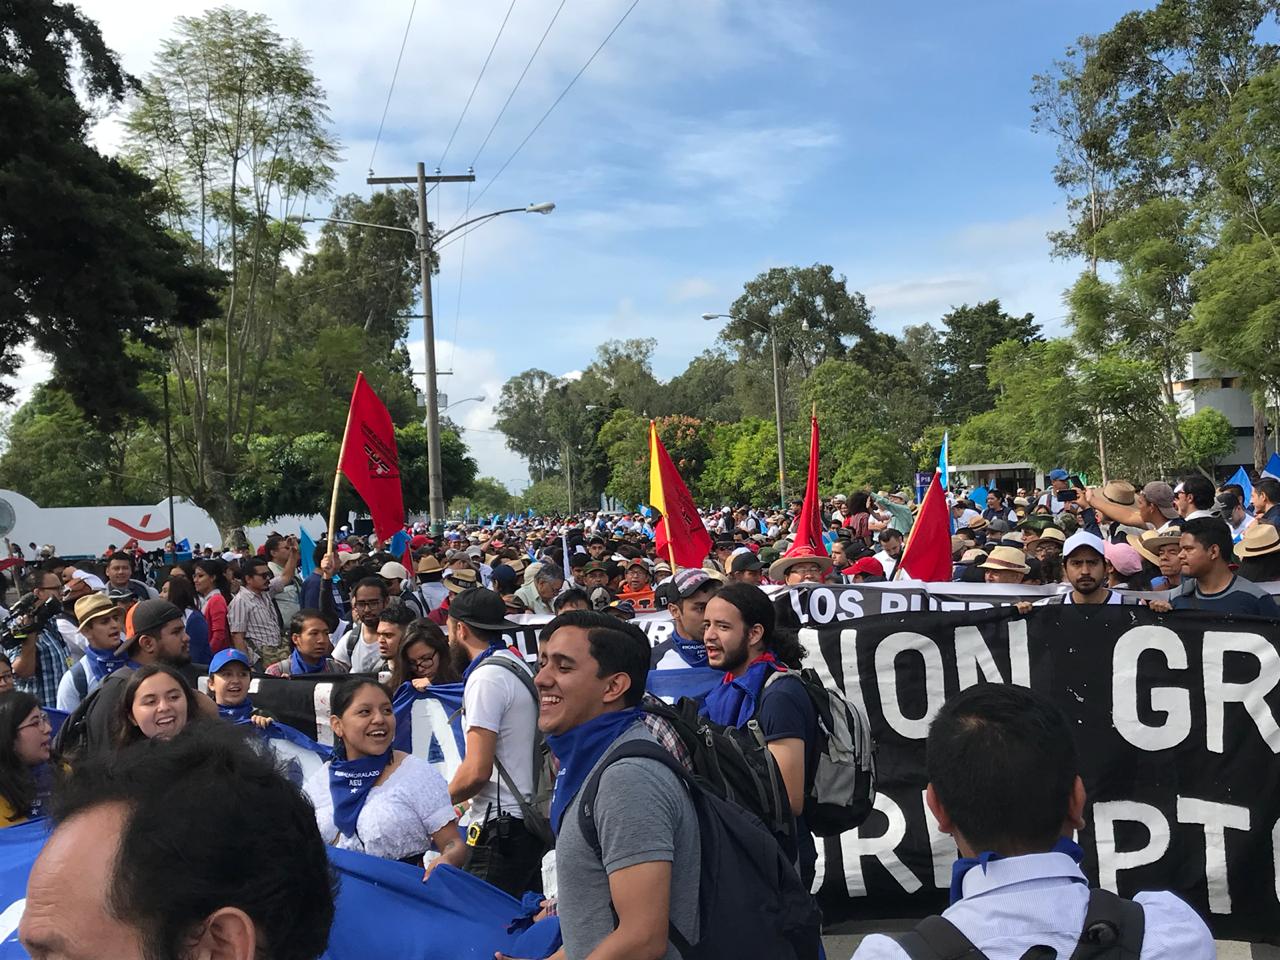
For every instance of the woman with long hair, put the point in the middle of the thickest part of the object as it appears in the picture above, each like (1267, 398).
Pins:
(25, 743)
(182, 594)
(157, 703)
(209, 577)
(423, 658)
(374, 798)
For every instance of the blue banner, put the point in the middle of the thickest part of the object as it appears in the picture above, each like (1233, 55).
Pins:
(1241, 477)
(422, 716)
(383, 908)
(1272, 469)
(306, 553)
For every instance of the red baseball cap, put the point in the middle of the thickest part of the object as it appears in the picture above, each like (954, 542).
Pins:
(866, 565)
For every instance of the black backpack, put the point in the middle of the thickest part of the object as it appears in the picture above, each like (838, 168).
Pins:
(732, 764)
(1113, 930)
(751, 902)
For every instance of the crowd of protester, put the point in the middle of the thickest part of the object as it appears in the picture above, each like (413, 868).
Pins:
(122, 658)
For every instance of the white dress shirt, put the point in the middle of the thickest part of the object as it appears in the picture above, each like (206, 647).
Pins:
(1017, 903)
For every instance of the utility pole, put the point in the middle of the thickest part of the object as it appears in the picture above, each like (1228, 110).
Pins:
(435, 486)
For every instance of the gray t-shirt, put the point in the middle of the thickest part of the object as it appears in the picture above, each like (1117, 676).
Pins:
(643, 814)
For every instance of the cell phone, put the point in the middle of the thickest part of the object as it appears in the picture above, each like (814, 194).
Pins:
(1075, 481)
(1066, 496)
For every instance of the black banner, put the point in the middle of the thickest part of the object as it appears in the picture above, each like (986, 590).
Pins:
(1175, 724)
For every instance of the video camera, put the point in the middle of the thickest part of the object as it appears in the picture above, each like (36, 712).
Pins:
(29, 615)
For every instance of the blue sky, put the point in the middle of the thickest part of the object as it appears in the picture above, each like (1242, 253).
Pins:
(710, 140)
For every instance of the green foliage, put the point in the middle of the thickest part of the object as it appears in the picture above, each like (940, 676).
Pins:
(87, 264)
(743, 466)
(487, 497)
(548, 498)
(625, 441)
(968, 336)
(1207, 438)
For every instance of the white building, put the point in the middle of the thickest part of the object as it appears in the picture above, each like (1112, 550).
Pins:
(1206, 386)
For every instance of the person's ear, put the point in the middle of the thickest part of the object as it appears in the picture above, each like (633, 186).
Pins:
(755, 635)
(335, 724)
(1075, 809)
(945, 823)
(617, 687)
(227, 934)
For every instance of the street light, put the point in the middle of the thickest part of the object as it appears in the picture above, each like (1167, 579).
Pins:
(463, 400)
(777, 388)
(425, 242)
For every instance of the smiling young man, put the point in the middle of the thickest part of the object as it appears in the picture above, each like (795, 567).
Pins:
(742, 640)
(99, 621)
(618, 901)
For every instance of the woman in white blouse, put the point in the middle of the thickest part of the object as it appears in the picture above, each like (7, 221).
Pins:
(374, 798)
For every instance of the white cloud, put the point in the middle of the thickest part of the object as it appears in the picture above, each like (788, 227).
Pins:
(36, 368)
(691, 288)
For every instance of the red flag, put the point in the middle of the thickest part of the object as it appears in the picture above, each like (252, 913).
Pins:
(927, 555)
(370, 461)
(680, 534)
(809, 523)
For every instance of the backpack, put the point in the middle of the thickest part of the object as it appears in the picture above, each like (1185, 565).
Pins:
(535, 808)
(732, 764)
(751, 902)
(843, 791)
(1113, 930)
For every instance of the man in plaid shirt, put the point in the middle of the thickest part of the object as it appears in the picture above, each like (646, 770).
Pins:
(41, 658)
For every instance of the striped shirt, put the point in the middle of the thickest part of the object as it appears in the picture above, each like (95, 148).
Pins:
(52, 661)
(256, 616)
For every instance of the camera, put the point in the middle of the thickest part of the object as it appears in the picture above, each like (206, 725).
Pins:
(29, 615)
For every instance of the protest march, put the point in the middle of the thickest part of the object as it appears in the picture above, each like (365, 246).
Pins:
(387, 572)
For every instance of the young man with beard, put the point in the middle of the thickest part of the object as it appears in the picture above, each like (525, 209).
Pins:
(759, 684)
(99, 620)
(1085, 563)
(623, 899)
(499, 719)
(357, 647)
(685, 596)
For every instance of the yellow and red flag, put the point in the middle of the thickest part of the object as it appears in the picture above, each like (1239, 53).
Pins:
(680, 535)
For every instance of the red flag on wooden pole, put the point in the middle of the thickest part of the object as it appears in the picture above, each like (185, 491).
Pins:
(370, 460)
(809, 523)
(680, 534)
(927, 555)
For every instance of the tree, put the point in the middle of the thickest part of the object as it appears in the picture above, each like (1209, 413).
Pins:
(487, 497)
(1208, 438)
(522, 411)
(547, 498)
(231, 124)
(87, 265)
(743, 462)
(704, 389)
(968, 336)
(625, 441)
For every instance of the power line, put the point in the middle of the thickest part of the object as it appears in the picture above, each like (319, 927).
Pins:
(519, 81)
(457, 316)
(554, 104)
(475, 86)
(390, 90)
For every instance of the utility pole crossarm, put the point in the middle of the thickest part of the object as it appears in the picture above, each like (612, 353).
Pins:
(449, 178)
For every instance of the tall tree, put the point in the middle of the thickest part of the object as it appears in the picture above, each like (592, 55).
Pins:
(87, 264)
(968, 336)
(232, 123)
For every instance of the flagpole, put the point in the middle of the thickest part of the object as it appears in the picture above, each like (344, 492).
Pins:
(337, 480)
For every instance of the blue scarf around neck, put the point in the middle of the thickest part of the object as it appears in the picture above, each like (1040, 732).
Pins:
(239, 714)
(480, 658)
(578, 750)
(964, 864)
(349, 784)
(299, 667)
(691, 652)
(735, 701)
(103, 663)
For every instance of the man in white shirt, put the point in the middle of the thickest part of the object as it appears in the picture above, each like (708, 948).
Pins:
(1085, 565)
(1018, 882)
(1194, 497)
(891, 542)
(356, 646)
(500, 720)
(1058, 482)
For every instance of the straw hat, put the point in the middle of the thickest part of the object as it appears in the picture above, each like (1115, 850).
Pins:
(1117, 492)
(1149, 544)
(429, 564)
(1006, 558)
(797, 555)
(456, 581)
(978, 523)
(1258, 540)
(1049, 533)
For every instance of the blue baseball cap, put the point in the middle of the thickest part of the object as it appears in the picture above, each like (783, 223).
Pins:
(1058, 474)
(223, 657)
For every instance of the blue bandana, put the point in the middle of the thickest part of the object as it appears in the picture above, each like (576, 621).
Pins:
(733, 702)
(349, 784)
(103, 663)
(480, 658)
(964, 864)
(299, 667)
(241, 714)
(578, 750)
(691, 652)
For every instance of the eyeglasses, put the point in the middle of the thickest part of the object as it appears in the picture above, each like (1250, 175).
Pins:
(367, 604)
(6, 677)
(422, 663)
(41, 719)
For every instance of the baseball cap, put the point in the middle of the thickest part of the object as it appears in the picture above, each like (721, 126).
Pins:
(481, 609)
(1124, 558)
(1081, 539)
(867, 565)
(1057, 474)
(594, 566)
(90, 580)
(744, 559)
(393, 571)
(146, 617)
(223, 657)
(1160, 495)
